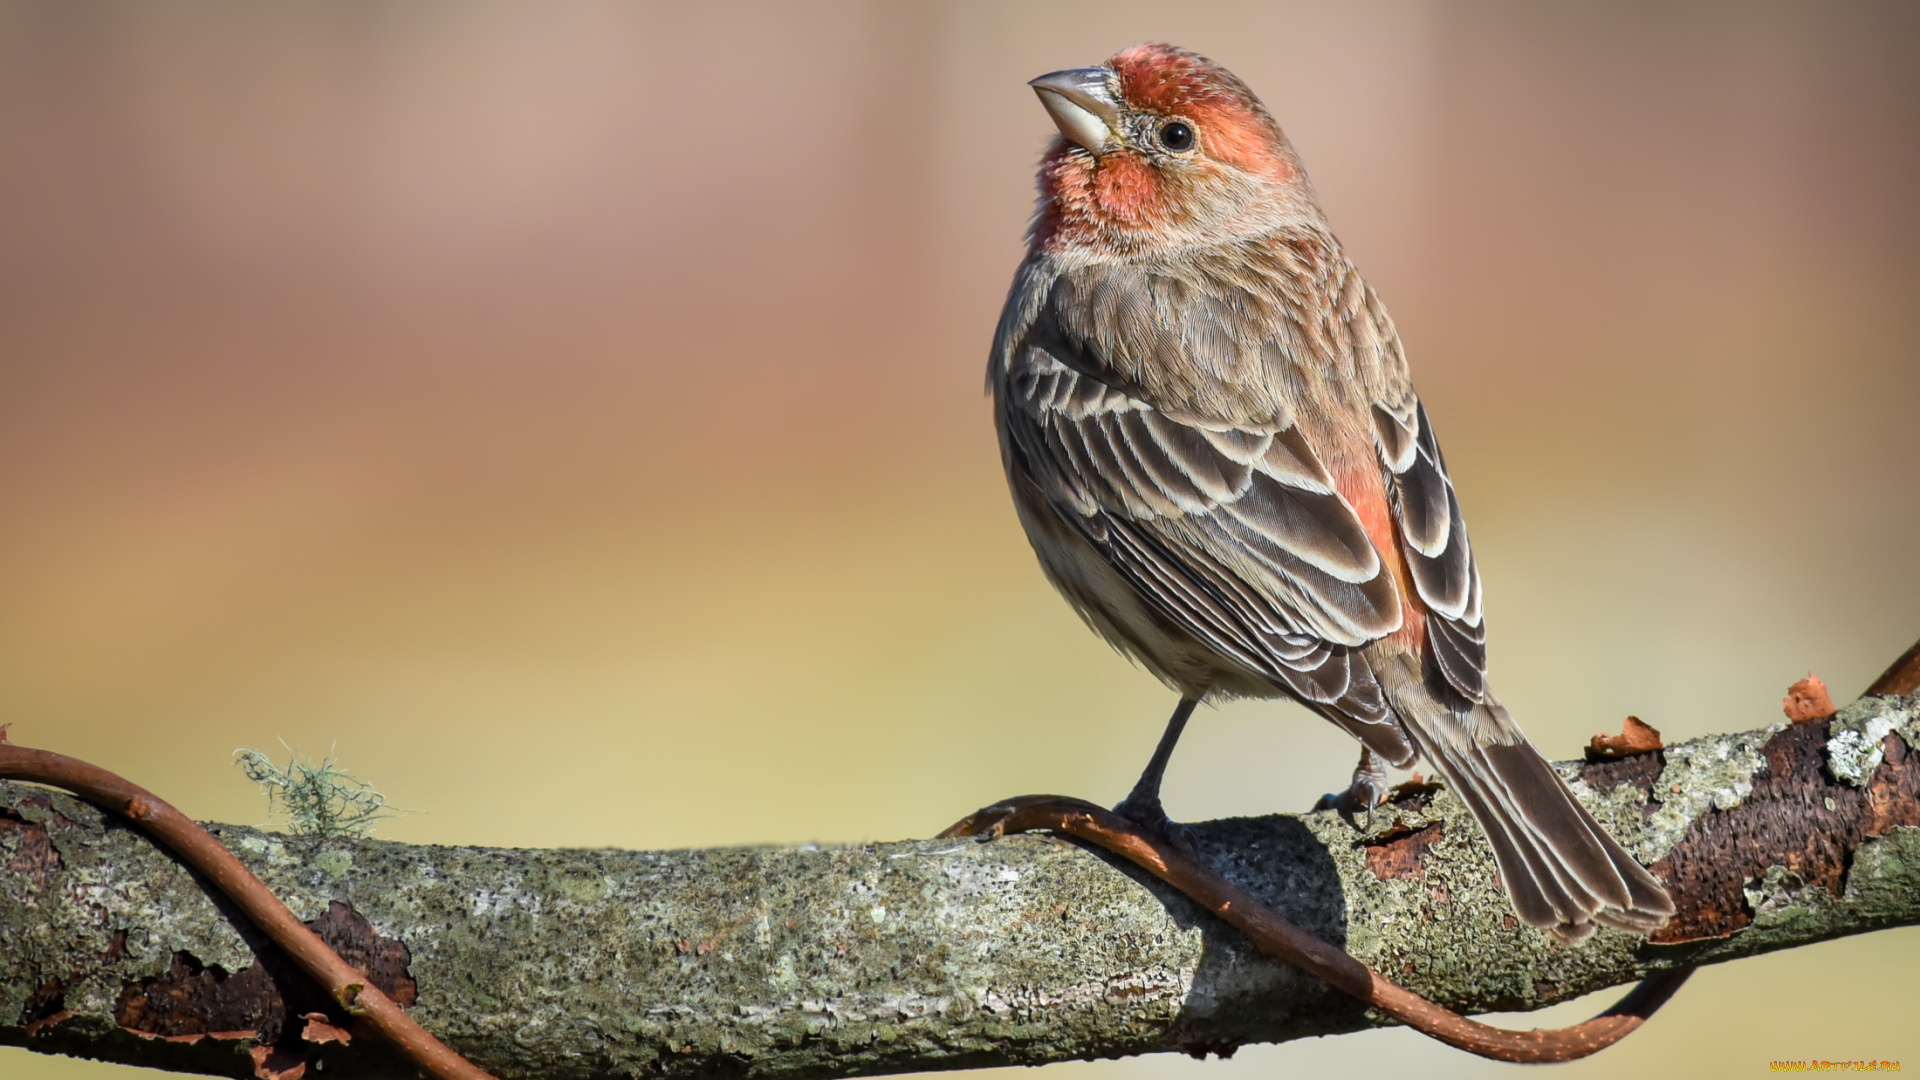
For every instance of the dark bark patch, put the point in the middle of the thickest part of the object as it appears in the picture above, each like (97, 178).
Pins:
(35, 855)
(1414, 794)
(1640, 770)
(276, 1063)
(1893, 791)
(1198, 1051)
(383, 959)
(191, 998)
(1398, 855)
(271, 999)
(1798, 817)
(45, 1007)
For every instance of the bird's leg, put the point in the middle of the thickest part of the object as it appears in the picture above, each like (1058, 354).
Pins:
(1142, 805)
(1368, 790)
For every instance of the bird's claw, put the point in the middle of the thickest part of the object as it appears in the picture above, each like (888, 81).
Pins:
(1368, 790)
(1153, 819)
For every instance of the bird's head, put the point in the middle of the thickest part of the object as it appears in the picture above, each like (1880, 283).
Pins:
(1159, 149)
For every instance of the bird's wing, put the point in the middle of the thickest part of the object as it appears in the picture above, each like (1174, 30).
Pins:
(1439, 558)
(1235, 533)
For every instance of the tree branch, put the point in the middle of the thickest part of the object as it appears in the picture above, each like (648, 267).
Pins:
(1278, 938)
(928, 954)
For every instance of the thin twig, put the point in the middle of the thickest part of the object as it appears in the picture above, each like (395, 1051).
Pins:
(1902, 677)
(201, 851)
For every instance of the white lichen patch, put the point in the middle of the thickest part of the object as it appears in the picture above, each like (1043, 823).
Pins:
(782, 977)
(1856, 744)
(503, 901)
(1780, 897)
(1714, 773)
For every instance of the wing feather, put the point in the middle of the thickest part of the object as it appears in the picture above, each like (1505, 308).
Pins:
(1439, 556)
(1232, 531)
(1269, 567)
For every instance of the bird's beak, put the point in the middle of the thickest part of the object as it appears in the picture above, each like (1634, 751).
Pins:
(1083, 103)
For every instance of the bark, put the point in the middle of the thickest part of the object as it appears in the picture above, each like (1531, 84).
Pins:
(841, 961)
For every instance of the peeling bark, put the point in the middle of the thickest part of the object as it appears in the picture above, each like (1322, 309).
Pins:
(269, 1001)
(1798, 818)
(1400, 854)
(924, 954)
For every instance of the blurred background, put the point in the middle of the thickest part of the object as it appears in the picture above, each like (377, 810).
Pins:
(571, 414)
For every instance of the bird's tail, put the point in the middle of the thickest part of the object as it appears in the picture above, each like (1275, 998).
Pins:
(1563, 872)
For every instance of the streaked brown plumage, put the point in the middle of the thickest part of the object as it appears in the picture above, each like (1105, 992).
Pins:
(1215, 447)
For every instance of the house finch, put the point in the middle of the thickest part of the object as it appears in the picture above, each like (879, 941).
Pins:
(1216, 450)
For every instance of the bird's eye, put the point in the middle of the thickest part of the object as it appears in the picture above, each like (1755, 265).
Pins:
(1177, 136)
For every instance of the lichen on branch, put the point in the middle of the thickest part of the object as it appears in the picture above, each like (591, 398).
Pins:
(838, 961)
(317, 798)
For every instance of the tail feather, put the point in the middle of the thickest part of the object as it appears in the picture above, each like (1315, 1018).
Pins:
(1535, 794)
(1540, 899)
(1543, 889)
(1561, 869)
(1633, 894)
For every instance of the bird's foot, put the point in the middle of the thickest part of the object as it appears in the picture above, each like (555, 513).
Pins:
(1368, 790)
(1152, 818)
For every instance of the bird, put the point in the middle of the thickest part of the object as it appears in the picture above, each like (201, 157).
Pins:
(1214, 445)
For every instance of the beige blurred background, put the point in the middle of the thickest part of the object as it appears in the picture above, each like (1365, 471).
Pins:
(572, 412)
